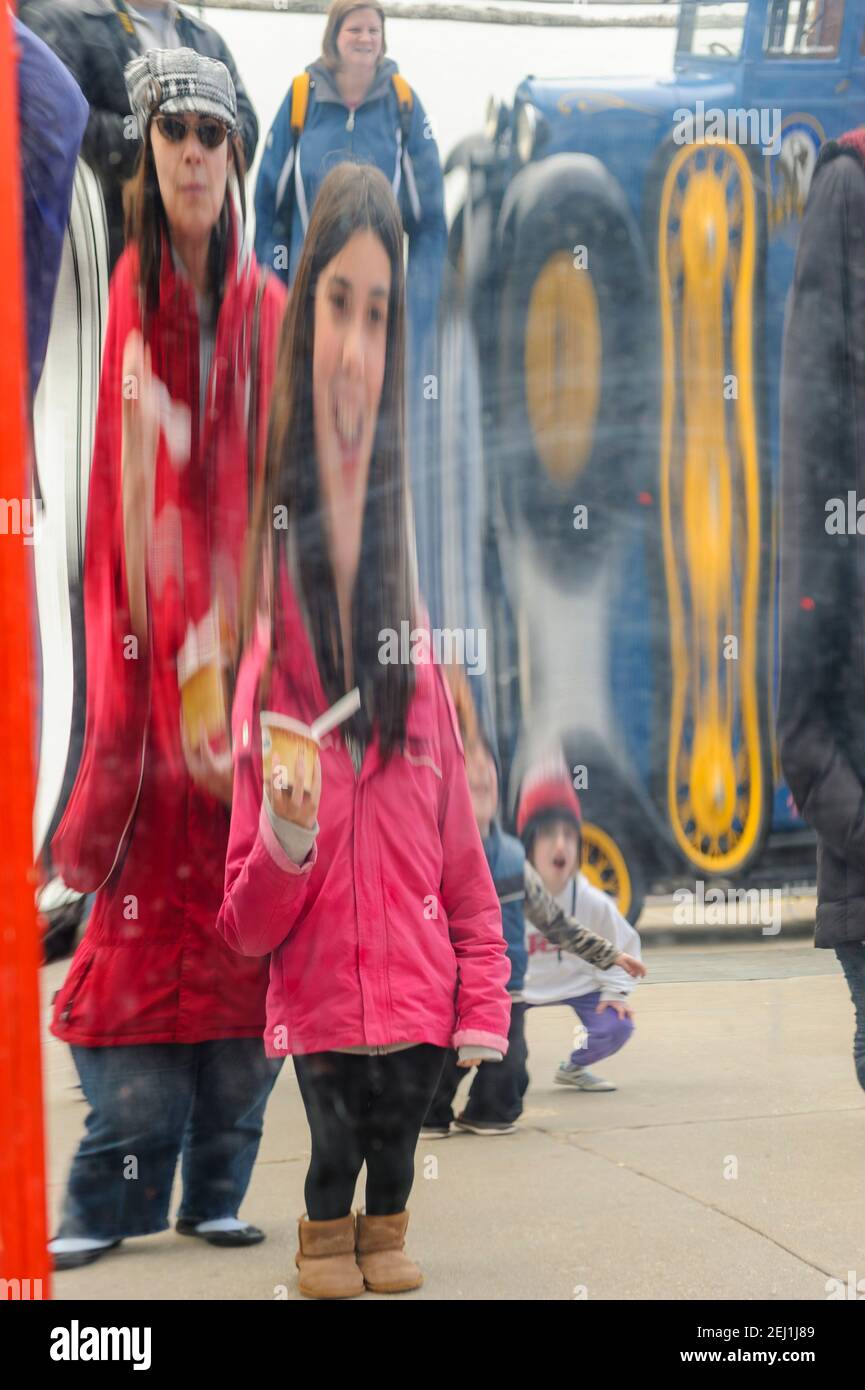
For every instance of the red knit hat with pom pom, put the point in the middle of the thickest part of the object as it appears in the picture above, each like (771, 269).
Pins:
(547, 794)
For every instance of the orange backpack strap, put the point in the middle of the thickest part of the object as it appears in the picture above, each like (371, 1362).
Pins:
(404, 93)
(405, 101)
(297, 117)
(299, 103)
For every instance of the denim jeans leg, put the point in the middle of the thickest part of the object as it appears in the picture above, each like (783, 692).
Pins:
(852, 957)
(121, 1176)
(234, 1078)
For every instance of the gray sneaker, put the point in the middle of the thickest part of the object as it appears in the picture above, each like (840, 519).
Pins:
(581, 1079)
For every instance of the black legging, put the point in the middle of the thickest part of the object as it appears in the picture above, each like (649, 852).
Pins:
(364, 1108)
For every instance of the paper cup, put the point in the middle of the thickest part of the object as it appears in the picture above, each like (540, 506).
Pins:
(202, 699)
(281, 737)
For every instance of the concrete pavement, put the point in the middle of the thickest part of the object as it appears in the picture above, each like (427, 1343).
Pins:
(729, 1164)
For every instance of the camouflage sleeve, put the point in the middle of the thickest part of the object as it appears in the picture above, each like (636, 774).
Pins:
(544, 913)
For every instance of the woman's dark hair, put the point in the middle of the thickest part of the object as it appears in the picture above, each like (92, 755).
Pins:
(146, 222)
(353, 198)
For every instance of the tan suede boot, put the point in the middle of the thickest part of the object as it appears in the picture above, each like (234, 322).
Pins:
(380, 1242)
(326, 1260)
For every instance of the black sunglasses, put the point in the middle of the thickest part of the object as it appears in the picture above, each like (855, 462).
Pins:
(210, 131)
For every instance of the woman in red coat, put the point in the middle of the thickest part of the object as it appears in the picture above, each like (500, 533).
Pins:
(164, 1019)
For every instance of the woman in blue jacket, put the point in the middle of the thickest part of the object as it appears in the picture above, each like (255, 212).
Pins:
(352, 104)
(355, 110)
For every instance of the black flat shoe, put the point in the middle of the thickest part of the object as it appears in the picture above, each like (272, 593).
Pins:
(74, 1259)
(250, 1235)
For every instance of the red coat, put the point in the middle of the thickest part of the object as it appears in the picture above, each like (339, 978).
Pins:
(392, 931)
(151, 967)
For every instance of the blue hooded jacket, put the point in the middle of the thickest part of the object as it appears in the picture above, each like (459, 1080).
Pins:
(506, 858)
(370, 135)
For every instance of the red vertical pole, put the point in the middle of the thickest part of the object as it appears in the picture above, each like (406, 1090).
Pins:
(23, 1254)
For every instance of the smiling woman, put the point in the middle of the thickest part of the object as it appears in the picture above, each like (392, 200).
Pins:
(181, 181)
(169, 1032)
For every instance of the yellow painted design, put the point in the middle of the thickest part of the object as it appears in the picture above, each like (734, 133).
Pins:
(772, 601)
(710, 496)
(562, 365)
(604, 865)
(591, 103)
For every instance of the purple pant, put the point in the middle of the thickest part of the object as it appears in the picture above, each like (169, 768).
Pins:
(607, 1033)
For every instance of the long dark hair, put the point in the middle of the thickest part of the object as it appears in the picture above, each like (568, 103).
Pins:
(146, 223)
(353, 198)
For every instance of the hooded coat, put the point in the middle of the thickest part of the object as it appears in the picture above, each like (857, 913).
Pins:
(390, 931)
(821, 714)
(291, 178)
(151, 967)
(370, 134)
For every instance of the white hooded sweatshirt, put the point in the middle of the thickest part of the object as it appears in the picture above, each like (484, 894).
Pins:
(554, 975)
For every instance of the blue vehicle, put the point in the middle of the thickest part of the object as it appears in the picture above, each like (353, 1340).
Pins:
(618, 274)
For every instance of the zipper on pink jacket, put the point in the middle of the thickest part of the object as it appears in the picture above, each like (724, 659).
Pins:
(362, 970)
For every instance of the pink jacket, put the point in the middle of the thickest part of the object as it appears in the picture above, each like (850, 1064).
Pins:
(391, 931)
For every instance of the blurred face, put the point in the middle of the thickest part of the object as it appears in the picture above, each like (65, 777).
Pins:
(348, 364)
(555, 854)
(359, 40)
(192, 179)
(483, 785)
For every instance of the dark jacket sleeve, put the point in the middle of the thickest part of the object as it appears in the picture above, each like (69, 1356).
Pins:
(110, 144)
(818, 463)
(246, 118)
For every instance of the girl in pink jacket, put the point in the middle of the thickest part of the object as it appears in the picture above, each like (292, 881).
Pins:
(363, 875)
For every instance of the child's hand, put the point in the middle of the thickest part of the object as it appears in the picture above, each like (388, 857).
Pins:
(293, 803)
(634, 967)
(471, 1062)
(622, 1009)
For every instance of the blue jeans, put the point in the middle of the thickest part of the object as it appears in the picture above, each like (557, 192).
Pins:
(202, 1101)
(852, 958)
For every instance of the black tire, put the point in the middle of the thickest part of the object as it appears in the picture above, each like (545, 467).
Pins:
(616, 809)
(588, 448)
(601, 869)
